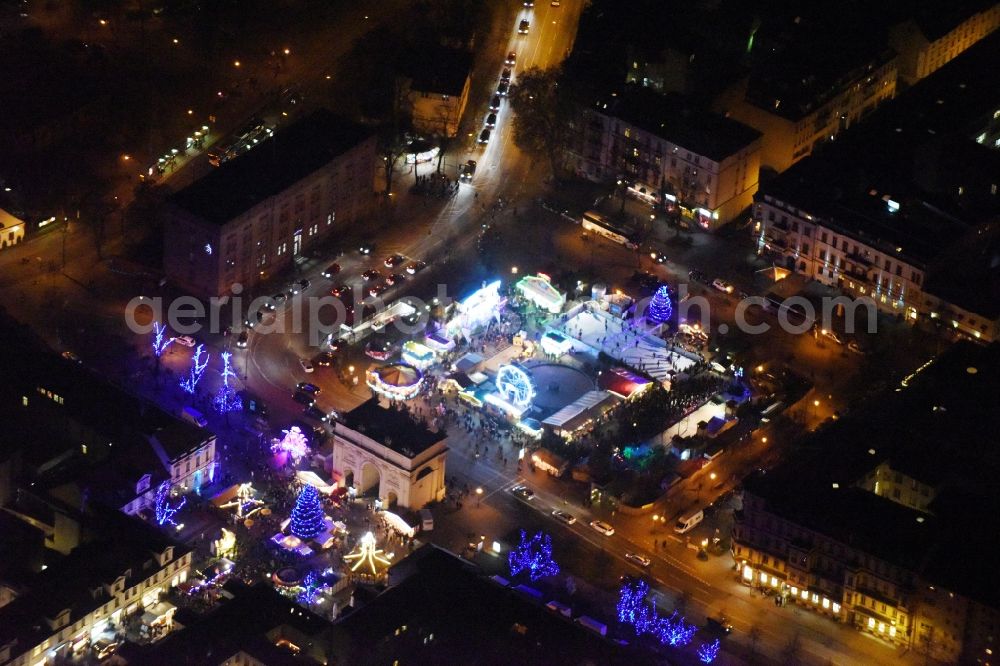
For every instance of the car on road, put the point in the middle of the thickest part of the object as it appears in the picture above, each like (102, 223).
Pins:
(304, 399)
(658, 257)
(184, 340)
(718, 625)
(491, 121)
(340, 290)
(495, 103)
(371, 275)
(377, 290)
(697, 276)
(243, 339)
(484, 136)
(365, 249)
(307, 387)
(511, 58)
(394, 260)
(522, 27)
(503, 88)
(636, 558)
(564, 517)
(314, 412)
(723, 286)
(646, 280)
(856, 348)
(554, 3)
(415, 267)
(330, 271)
(323, 359)
(506, 74)
(524, 492)
(280, 297)
(306, 364)
(70, 356)
(294, 288)
(469, 169)
(303, 284)
(832, 336)
(529, 3)
(395, 279)
(602, 527)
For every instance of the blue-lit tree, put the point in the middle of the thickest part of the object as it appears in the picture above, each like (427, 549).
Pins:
(674, 630)
(632, 601)
(161, 505)
(708, 651)
(307, 515)
(198, 364)
(160, 340)
(226, 400)
(660, 308)
(533, 555)
(312, 585)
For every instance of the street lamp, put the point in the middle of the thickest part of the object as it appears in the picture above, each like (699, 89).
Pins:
(513, 270)
(479, 496)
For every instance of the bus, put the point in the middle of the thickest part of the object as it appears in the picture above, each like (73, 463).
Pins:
(602, 226)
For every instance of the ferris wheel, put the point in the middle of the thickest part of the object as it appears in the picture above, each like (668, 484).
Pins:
(514, 385)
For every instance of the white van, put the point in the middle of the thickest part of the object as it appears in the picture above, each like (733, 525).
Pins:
(688, 520)
(426, 520)
(194, 417)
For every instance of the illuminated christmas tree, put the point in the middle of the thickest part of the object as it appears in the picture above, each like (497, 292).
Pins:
(307, 516)
(162, 507)
(633, 608)
(198, 364)
(660, 308)
(160, 341)
(226, 400)
(674, 630)
(294, 443)
(534, 556)
(708, 651)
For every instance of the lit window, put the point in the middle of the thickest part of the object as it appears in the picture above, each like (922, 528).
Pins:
(836, 607)
(815, 598)
(747, 573)
(881, 627)
(826, 603)
(871, 623)
(805, 594)
(83, 449)
(763, 577)
(24, 401)
(795, 590)
(774, 582)
(892, 632)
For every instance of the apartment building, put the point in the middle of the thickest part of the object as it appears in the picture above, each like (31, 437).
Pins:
(436, 89)
(61, 611)
(700, 165)
(938, 33)
(911, 225)
(879, 526)
(251, 217)
(797, 107)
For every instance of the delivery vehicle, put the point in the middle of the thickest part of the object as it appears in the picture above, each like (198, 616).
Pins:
(688, 520)
(426, 520)
(194, 417)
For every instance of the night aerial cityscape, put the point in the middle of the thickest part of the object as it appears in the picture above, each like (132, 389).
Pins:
(461, 332)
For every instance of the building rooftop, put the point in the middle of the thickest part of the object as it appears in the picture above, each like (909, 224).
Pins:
(930, 427)
(669, 117)
(454, 614)
(271, 167)
(438, 69)
(392, 427)
(936, 18)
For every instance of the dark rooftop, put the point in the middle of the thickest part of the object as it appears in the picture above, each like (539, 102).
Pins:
(669, 117)
(392, 427)
(271, 167)
(438, 70)
(933, 428)
(471, 618)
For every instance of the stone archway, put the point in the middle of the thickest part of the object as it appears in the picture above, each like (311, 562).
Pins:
(391, 500)
(371, 480)
(349, 478)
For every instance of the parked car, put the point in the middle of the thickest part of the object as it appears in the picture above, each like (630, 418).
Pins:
(377, 290)
(394, 260)
(469, 168)
(306, 364)
(70, 356)
(564, 517)
(340, 290)
(323, 359)
(636, 558)
(331, 270)
(314, 412)
(243, 339)
(484, 136)
(524, 492)
(371, 275)
(307, 387)
(718, 625)
(855, 347)
(415, 267)
(395, 279)
(602, 527)
(185, 340)
(723, 286)
(304, 399)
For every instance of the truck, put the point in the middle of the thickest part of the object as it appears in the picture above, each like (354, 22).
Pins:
(426, 520)
(194, 417)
